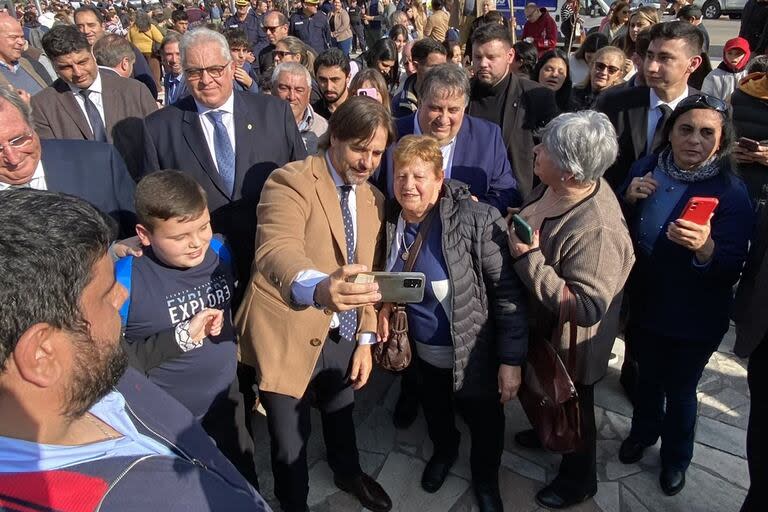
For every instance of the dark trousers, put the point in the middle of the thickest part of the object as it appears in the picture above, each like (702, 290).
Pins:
(577, 476)
(484, 417)
(289, 426)
(227, 424)
(666, 403)
(757, 445)
(358, 37)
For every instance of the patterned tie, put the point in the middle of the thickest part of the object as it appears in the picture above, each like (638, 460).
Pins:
(225, 155)
(97, 125)
(348, 319)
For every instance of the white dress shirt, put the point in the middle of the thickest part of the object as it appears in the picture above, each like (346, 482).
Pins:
(95, 96)
(446, 150)
(228, 118)
(37, 182)
(303, 287)
(654, 114)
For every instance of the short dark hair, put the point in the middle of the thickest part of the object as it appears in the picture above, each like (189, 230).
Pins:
(692, 36)
(50, 243)
(423, 48)
(179, 15)
(357, 119)
(333, 57)
(111, 49)
(493, 17)
(491, 32)
(91, 9)
(63, 40)
(642, 43)
(592, 43)
(170, 38)
(437, 5)
(758, 64)
(398, 30)
(236, 38)
(167, 195)
(690, 12)
(527, 55)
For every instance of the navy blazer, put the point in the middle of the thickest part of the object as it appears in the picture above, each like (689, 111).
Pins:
(668, 293)
(266, 137)
(93, 171)
(479, 160)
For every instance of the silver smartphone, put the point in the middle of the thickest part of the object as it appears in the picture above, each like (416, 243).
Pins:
(401, 287)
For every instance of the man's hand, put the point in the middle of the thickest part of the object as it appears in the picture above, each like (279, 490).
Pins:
(362, 364)
(509, 382)
(744, 156)
(336, 294)
(205, 324)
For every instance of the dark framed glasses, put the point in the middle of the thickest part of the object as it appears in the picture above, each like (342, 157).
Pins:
(197, 73)
(600, 66)
(706, 100)
(282, 53)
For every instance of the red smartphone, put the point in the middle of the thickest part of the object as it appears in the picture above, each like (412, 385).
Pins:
(699, 209)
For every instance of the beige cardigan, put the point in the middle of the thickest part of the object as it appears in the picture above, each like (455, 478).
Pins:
(589, 249)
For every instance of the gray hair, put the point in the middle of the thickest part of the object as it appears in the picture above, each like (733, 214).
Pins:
(202, 36)
(111, 49)
(291, 68)
(445, 80)
(16, 102)
(581, 143)
(396, 18)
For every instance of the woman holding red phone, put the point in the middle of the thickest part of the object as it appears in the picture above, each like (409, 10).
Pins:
(680, 290)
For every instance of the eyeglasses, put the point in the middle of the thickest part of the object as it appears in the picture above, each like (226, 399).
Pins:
(197, 73)
(17, 142)
(612, 70)
(271, 29)
(282, 53)
(704, 99)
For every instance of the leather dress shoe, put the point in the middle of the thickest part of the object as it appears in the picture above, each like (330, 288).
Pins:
(436, 471)
(672, 481)
(488, 498)
(367, 490)
(528, 439)
(630, 451)
(550, 497)
(406, 410)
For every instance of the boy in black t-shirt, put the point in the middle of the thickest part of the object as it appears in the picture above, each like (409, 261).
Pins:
(185, 269)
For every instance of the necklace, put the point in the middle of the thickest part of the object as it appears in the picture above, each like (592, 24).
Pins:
(546, 209)
(406, 248)
(97, 424)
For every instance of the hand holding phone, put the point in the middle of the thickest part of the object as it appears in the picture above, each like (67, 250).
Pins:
(748, 144)
(523, 230)
(699, 210)
(371, 92)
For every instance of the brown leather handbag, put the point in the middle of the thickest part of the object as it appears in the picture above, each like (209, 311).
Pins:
(395, 353)
(548, 394)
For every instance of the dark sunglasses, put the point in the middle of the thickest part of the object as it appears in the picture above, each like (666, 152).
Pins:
(704, 99)
(612, 70)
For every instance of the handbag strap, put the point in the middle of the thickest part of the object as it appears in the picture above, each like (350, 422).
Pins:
(568, 314)
(417, 243)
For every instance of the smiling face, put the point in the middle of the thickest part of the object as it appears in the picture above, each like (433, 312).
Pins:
(417, 186)
(77, 68)
(552, 74)
(11, 39)
(17, 164)
(89, 24)
(211, 91)
(606, 71)
(696, 137)
(355, 160)
(178, 242)
(441, 116)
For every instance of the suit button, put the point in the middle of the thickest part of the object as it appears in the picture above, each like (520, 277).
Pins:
(315, 342)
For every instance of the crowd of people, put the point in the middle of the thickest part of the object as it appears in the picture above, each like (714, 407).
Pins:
(190, 194)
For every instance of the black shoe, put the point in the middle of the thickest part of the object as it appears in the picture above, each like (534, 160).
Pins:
(528, 439)
(367, 490)
(550, 497)
(630, 451)
(406, 410)
(436, 471)
(672, 481)
(488, 498)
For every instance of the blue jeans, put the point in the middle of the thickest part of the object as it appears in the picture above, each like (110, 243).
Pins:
(666, 404)
(345, 45)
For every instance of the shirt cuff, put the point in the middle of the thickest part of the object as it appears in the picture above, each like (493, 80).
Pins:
(366, 338)
(303, 287)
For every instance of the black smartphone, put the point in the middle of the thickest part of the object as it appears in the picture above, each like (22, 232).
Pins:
(523, 230)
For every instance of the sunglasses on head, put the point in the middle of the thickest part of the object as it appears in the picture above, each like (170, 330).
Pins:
(704, 99)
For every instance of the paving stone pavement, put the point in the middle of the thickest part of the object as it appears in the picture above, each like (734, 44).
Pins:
(716, 481)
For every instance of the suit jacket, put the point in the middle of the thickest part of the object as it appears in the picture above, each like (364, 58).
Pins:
(267, 138)
(126, 102)
(528, 107)
(93, 171)
(479, 160)
(300, 228)
(752, 294)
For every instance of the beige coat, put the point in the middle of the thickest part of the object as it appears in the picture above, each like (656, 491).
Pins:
(589, 249)
(437, 26)
(299, 228)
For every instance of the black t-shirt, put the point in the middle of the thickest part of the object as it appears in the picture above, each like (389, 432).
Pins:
(162, 297)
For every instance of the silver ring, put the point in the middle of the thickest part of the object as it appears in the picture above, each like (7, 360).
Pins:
(642, 178)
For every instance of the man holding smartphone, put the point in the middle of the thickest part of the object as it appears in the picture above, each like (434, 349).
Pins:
(305, 329)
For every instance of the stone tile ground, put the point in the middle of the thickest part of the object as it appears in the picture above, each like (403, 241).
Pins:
(716, 481)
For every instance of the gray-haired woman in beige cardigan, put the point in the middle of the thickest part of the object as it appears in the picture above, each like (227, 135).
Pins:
(580, 241)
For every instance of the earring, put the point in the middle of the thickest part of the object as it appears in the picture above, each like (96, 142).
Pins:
(562, 178)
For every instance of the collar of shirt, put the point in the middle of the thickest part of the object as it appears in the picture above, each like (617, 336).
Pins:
(11, 66)
(36, 182)
(655, 102)
(95, 86)
(446, 150)
(306, 122)
(228, 107)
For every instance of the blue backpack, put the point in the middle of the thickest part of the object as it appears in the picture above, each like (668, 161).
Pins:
(124, 270)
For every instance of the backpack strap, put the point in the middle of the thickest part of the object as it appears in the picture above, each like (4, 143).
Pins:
(221, 249)
(123, 271)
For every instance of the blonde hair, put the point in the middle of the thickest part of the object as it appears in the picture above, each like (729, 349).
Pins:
(610, 50)
(424, 147)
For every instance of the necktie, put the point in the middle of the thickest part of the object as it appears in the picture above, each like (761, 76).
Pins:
(658, 132)
(348, 319)
(94, 118)
(225, 155)
(173, 84)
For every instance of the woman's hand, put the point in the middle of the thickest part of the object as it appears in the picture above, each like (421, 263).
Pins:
(517, 247)
(744, 156)
(640, 188)
(692, 236)
(382, 332)
(509, 382)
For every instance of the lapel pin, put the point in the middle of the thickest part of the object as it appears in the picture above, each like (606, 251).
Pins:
(250, 126)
